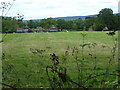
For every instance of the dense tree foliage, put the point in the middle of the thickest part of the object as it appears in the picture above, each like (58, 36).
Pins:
(105, 18)
(31, 24)
(117, 22)
(11, 24)
(61, 24)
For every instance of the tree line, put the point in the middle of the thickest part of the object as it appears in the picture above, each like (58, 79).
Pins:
(105, 18)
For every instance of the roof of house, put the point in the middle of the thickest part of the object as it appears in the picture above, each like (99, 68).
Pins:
(19, 28)
(38, 28)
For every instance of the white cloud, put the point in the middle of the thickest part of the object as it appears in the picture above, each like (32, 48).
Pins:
(57, 8)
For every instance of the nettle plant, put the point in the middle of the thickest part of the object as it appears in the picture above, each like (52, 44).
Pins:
(95, 75)
(108, 72)
(57, 75)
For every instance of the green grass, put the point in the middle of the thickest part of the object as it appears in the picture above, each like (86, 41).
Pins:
(21, 68)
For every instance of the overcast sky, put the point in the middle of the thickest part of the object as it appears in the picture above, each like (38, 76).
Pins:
(39, 9)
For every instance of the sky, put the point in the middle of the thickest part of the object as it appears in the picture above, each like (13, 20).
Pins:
(39, 9)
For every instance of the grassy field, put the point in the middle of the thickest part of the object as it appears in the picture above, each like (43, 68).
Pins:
(26, 56)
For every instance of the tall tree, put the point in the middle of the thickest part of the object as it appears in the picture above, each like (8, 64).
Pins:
(61, 24)
(31, 24)
(47, 23)
(79, 23)
(106, 17)
(90, 21)
(117, 22)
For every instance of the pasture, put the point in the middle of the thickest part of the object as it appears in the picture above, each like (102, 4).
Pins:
(90, 58)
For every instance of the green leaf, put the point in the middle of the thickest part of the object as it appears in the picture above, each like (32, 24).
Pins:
(83, 45)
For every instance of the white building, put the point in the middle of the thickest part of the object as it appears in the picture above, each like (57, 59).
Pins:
(53, 29)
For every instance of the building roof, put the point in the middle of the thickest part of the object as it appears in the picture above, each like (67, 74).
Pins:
(39, 28)
(19, 28)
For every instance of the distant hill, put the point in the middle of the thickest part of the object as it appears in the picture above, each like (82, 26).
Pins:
(117, 13)
(67, 18)
(71, 17)
(74, 17)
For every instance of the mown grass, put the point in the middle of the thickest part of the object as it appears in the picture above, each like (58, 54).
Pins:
(22, 68)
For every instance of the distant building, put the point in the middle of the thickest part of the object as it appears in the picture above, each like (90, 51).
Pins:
(105, 29)
(40, 29)
(53, 29)
(91, 28)
(26, 29)
(19, 30)
(23, 30)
